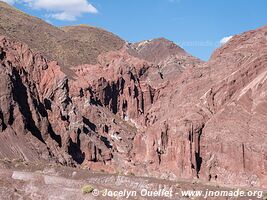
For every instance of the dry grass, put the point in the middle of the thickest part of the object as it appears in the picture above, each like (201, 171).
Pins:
(70, 46)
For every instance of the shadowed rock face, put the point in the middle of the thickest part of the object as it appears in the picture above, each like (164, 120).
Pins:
(147, 108)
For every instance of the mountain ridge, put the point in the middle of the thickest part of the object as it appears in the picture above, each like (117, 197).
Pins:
(57, 43)
(147, 108)
(54, 42)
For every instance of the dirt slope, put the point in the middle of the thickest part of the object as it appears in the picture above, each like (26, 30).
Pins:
(61, 44)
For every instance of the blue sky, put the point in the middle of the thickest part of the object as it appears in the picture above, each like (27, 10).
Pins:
(196, 25)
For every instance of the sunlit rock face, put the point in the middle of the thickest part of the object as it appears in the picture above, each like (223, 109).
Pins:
(147, 108)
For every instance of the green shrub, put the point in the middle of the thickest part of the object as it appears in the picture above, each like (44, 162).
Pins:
(87, 189)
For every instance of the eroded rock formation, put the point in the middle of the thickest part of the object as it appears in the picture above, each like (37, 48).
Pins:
(147, 108)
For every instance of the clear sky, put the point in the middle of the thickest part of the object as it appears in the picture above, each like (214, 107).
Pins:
(196, 25)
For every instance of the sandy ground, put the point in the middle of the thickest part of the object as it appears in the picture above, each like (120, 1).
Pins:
(36, 181)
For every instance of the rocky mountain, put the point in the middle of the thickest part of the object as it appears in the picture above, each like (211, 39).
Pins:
(149, 108)
(210, 122)
(69, 46)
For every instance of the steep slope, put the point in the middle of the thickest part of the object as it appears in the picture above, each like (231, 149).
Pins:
(66, 47)
(211, 121)
(93, 41)
(169, 59)
(58, 118)
(90, 120)
(237, 130)
(147, 108)
(155, 50)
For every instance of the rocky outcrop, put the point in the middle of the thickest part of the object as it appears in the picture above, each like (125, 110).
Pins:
(86, 119)
(147, 108)
(236, 151)
(214, 114)
(35, 102)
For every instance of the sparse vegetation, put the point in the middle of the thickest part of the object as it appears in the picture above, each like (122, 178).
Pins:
(87, 189)
(131, 174)
(19, 162)
(58, 43)
(120, 173)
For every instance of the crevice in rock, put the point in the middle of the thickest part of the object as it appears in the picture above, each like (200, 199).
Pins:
(20, 96)
(47, 104)
(136, 93)
(86, 130)
(91, 125)
(2, 54)
(209, 177)
(132, 77)
(121, 83)
(124, 109)
(124, 105)
(105, 128)
(191, 140)
(95, 154)
(66, 102)
(142, 104)
(106, 142)
(159, 152)
(197, 152)
(129, 91)
(11, 115)
(164, 137)
(142, 71)
(93, 99)
(64, 116)
(111, 93)
(74, 149)
(107, 93)
(161, 75)
(40, 108)
(54, 136)
(114, 98)
(81, 93)
(2, 122)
